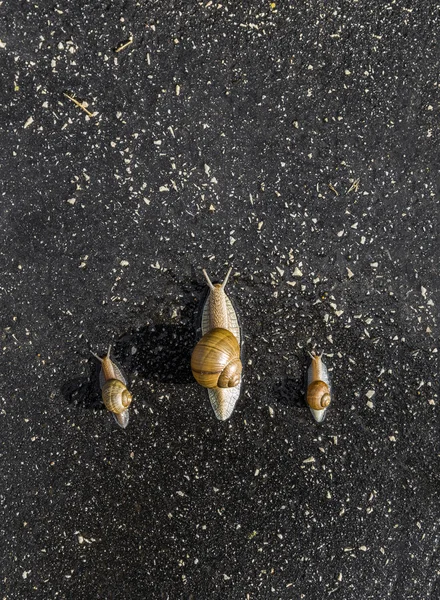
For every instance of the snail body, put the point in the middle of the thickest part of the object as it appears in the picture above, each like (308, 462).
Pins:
(215, 361)
(318, 395)
(115, 394)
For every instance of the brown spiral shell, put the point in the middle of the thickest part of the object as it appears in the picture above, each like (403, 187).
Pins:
(115, 396)
(318, 395)
(215, 361)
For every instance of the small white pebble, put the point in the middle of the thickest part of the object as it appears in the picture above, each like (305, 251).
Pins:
(370, 394)
(71, 201)
(124, 263)
(28, 122)
(311, 459)
(297, 272)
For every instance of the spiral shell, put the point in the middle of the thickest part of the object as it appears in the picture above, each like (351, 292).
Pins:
(318, 395)
(215, 361)
(115, 396)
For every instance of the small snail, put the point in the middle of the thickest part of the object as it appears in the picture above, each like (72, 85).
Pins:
(215, 361)
(318, 388)
(113, 384)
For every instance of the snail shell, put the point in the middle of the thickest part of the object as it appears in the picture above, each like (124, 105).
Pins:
(215, 361)
(219, 313)
(318, 395)
(115, 394)
(318, 388)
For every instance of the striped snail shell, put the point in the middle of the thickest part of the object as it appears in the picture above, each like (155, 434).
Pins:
(215, 361)
(318, 395)
(115, 396)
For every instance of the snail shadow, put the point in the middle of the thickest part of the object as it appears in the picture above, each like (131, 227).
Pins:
(289, 391)
(159, 353)
(84, 391)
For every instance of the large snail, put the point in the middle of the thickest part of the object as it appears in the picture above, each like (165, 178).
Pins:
(318, 388)
(215, 361)
(113, 384)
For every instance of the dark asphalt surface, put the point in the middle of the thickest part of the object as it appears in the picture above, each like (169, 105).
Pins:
(297, 142)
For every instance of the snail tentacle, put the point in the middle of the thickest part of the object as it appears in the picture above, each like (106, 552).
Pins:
(225, 280)
(208, 281)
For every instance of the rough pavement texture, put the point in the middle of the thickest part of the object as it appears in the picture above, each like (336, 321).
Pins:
(298, 142)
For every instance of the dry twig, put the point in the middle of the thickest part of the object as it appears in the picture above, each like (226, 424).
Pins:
(80, 104)
(124, 45)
